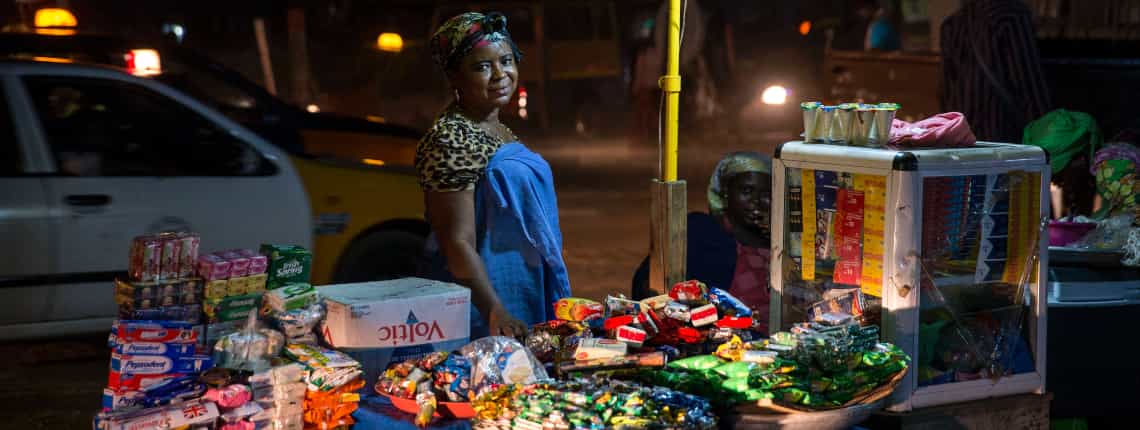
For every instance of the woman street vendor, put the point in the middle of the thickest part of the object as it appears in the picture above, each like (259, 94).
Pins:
(475, 174)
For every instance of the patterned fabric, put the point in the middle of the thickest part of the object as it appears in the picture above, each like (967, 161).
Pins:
(464, 32)
(1117, 181)
(733, 164)
(991, 71)
(453, 155)
(750, 281)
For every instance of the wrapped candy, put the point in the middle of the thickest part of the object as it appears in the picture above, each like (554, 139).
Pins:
(691, 293)
(576, 309)
(727, 303)
(427, 404)
(619, 305)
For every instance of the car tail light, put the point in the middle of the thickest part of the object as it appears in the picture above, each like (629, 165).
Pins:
(143, 62)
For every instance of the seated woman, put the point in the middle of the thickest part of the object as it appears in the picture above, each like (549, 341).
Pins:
(728, 248)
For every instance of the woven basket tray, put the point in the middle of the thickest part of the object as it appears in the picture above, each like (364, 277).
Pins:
(768, 407)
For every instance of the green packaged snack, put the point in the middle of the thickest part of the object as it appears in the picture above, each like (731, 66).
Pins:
(793, 396)
(231, 308)
(821, 385)
(735, 370)
(756, 395)
(875, 359)
(735, 385)
(287, 264)
(772, 381)
(699, 362)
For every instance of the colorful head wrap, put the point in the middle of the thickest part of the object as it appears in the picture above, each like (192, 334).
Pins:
(733, 164)
(462, 33)
(1117, 179)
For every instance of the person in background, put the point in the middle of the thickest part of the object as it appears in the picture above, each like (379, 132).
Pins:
(475, 175)
(991, 70)
(881, 33)
(729, 247)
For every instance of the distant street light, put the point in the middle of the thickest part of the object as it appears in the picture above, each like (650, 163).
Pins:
(390, 42)
(774, 95)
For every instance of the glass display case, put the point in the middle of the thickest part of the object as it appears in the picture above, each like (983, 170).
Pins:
(941, 248)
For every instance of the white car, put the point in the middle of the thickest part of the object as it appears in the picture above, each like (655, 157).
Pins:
(91, 157)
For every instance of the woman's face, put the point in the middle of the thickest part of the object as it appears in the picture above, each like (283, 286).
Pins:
(487, 77)
(749, 200)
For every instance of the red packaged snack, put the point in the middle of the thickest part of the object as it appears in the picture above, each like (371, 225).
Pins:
(704, 315)
(187, 254)
(690, 335)
(635, 337)
(146, 258)
(735, 322)
(689, 292)
(618, 321)
(577, 309)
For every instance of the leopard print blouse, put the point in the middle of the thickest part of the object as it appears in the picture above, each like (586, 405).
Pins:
(454, 153)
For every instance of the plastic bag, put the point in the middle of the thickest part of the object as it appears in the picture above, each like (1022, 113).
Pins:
(249, 349)
(1111, 233)
(298, 324)
(501, 360)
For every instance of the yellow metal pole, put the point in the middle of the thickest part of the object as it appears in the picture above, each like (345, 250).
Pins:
(668, 220)
(671, 85)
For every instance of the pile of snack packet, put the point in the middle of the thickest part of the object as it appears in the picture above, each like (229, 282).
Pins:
(817, 365)
(460, 376)
(589, 336)
(190, 349)
(333, 381)
(590, 403)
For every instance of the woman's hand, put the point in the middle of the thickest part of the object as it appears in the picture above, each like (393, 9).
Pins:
(502, 323)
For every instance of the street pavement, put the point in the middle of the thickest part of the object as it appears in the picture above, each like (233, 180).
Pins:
(603, 192)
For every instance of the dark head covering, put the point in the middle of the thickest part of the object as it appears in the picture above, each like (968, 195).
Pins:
(462, 33)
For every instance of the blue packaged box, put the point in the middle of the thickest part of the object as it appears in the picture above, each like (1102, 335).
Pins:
(171, 350)
(156, 365)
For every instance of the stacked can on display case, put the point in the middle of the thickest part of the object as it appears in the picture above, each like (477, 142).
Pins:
(941, 247)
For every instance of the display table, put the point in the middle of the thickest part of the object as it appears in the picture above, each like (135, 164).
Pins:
(377, 413)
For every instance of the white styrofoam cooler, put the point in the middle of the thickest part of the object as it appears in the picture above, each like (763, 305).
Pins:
(385, 321)
(903, 173)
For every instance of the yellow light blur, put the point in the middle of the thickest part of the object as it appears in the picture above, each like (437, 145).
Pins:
(313, 108)
(522, 113)
(52, 60)
(774, 95)
(390, 42)
(372, 162)
(376, 119)
(144, 62)
(805, 28)
(55, 17)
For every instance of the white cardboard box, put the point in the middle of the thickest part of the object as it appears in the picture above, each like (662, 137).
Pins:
(396, 313)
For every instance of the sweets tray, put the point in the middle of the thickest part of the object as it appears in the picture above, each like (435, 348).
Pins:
(448, 410)
(768, 415)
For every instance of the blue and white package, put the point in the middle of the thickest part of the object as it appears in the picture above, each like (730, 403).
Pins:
(172, 350)
(156, 365)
